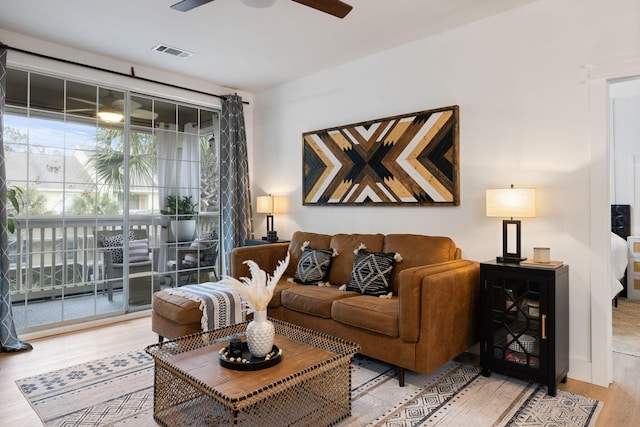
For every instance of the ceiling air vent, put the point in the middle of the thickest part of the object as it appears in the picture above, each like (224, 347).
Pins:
(174, 51)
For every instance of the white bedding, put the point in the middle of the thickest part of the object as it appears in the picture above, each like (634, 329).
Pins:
(618, 263)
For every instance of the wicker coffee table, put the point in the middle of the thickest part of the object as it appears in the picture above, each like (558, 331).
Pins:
(311, 386)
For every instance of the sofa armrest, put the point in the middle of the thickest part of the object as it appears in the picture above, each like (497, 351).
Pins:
(266, 256)
(418, 289)
(449, 313)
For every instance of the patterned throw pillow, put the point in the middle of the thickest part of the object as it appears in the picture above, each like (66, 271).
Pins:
(139, 250)
(371, 273)
(114, 244)
(204, 240)
(313, 267)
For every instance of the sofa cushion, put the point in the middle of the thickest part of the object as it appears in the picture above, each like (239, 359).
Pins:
(313, 300)
(378, 315)
(276, 299)
(371, 273)
(313, 266)
(418, 250)
(345, 245)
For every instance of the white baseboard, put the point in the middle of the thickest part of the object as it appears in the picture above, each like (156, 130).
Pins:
(580, 370)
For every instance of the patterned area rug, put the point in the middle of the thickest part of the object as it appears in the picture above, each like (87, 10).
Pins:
(118, 391)
(626, 327)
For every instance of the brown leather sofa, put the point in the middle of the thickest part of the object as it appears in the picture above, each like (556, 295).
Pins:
(432, 317)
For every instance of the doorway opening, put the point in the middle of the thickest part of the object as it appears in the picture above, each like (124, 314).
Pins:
(624, 158)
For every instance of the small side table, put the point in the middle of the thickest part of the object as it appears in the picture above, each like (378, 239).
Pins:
(525, 322)
(255, 242)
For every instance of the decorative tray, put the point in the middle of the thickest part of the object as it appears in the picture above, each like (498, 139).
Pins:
(249, 362)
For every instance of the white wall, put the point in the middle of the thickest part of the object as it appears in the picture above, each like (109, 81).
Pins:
(517, 78)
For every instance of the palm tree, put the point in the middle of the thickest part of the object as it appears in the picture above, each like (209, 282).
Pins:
(14, 195)
(108, 161)
(91, 203)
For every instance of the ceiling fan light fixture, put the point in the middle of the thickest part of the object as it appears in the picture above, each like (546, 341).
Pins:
(110, 116)
(259, 4)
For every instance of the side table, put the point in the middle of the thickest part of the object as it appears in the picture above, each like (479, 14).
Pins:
(255, 242)
(525, 322)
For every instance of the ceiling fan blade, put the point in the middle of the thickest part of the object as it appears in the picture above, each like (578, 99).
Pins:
(119, 104)
(144, 114)
(136, 111)
(186, 5)
(332, 7)
(80, 110)
(84, 101)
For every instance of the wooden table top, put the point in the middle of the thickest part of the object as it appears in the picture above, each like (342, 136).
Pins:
(203, 365)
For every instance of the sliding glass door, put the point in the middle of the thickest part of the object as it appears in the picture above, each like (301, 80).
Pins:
(92, 167)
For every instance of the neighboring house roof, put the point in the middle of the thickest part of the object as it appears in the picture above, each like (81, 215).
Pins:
(47, 171)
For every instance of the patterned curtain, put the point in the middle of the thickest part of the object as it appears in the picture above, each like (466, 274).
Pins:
(235, 195)
(8, 336)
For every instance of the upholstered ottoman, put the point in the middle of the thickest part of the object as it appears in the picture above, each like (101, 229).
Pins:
(174, 316)
(177, 312)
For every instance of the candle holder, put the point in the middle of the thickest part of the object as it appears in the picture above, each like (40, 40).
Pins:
(235, 347)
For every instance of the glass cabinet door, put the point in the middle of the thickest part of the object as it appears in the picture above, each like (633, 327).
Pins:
(516, 332)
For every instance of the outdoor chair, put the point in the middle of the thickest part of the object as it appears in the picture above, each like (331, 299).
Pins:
(199, 257)
(110, 244)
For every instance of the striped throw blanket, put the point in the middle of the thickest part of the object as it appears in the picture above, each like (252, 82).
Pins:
(220, 305)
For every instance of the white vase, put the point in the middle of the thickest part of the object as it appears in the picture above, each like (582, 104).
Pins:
(260, 334)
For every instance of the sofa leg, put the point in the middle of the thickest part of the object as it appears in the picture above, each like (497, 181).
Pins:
(400, 372)
(160, 339)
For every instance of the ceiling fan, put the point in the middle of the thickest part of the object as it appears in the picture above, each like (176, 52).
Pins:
(110, 102)
(332, 7)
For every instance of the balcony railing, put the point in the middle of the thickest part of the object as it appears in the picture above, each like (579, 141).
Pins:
(51, 256)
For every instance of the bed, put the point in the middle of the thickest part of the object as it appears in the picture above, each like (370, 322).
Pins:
(620, 230)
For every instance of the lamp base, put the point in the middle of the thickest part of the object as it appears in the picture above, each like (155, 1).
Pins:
(272, 236)
(510, 259)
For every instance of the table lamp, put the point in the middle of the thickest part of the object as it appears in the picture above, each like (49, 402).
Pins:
(511, 203)
(270, 205)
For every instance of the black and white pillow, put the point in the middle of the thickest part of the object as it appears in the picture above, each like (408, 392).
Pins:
(313, 267)
(114, 244)
(203, 241)
(371, 274)
(209, 235)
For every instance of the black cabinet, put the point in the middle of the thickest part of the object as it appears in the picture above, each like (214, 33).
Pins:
(525, 322)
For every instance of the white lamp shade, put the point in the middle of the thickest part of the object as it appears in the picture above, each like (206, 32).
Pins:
(264, 204)
(511, 202)
(271, 204)
(280, 204)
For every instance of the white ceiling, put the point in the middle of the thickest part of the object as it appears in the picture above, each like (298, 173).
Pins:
(234, 45)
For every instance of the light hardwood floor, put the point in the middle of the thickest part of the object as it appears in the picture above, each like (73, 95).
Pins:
(621, 399)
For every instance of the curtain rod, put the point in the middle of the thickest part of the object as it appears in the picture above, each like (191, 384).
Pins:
(132, 75)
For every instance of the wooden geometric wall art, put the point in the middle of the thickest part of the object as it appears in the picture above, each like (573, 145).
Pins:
(407, 160)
